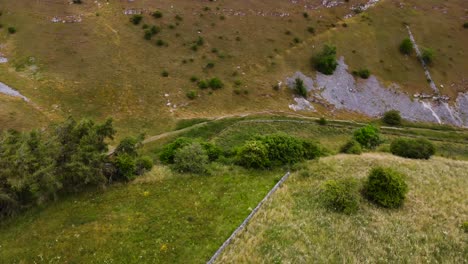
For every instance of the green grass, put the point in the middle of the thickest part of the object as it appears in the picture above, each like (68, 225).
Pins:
(134, 223)
(295, 227)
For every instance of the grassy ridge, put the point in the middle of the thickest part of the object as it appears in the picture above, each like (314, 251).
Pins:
(295, 227)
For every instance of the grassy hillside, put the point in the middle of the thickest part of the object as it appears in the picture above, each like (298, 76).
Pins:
(103, 67)
(294, 226)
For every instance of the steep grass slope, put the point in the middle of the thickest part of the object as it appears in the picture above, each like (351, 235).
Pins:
(295, 228)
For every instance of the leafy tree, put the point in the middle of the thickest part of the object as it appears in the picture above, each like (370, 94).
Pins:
(406, 46)
(368, 136)
(157, 14)
(300, 87)
(325, 61)
(412, 148)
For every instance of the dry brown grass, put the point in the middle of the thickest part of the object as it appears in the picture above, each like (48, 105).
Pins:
(295, 228)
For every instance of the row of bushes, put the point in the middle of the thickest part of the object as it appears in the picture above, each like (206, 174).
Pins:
(383, 186)
(188, 155)
(368, 137)
(39, 166)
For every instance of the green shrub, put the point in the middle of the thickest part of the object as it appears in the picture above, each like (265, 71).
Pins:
(191, 94)
(351, 147)
(300, 88)
(200, 41)
(392, 118)
(253, 154)
(386, 187)
(464, 226)
(363, 73)
(129, 145)
(368, 136)
(168, 152)
(194, 79)
(191, 159)
(136, 19)
(210, 65)
(144, 164)
(465, 25)
(283, 149)
(202, 84)
(406, 46)
(165, 73)
(215, 83)
(157, 14)
(322, 121)
(77, 2)
(325, 62)
(155, 30)
(148, 35)
(428, 56)
(311, 150)
(412, 148)
(125, 166)
(11, 30)
(341, 195)
(213, 151)
(311, 30)
(160, 43)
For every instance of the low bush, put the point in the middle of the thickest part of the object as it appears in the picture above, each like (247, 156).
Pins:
(368, 136)
(311, 30)
(412, 148)
(312, 150)
(125, 166)
(213, 151)
(202, 84)
(168, 152)
(191, 94)
(144, 164)
(191, 159)
(465, 25)
(325, 62)
(341, 195)
(215, 83)
(392, 118)
(300, 88)
(351, 147)
(386, 187)
(165, 73)
(136, 19)
(428, 56)
(157, 14)
(11, 30)
(363, 73)
(253, 154)
(406, 46)
(322, 121)
(464, 226)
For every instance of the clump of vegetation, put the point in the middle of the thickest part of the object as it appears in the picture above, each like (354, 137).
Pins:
(325, 62)
(368, 136)
(300, 88)
(215, 83)
(165, 73)
(341, 195)
(200, 41)
(191, 159)
(363, 73)
(311, 30)
(392, 118)
(11, 30)
(77, 1)
(210, 65)
(351, 147)
(322, 121)
(76, 151)
(136, 19)
(386, 187)
(464, 226)
(202, 84)
(275, 150)
(161, 43)
(406, 46)
(465, 25)
(427, 56)
(127, 161)
(191, 94)
(157, 14)
(413, 148)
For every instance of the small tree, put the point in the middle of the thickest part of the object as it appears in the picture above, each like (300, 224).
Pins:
(428, 56)
(406, 46)
(300, 87)
(386, 187)
(191, 159)
(325, 62)
(392, 118)
(368, 136)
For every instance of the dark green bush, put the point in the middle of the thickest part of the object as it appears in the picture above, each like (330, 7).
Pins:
(148, 35)
(464, 226)
(191, 159)
(368, 136)
(300, 88)
(322, 121)
(412, 148)
(253, 154)
(312, 150)
(160, 43)
(144, 164)
(168, 152)
(155, 30)
(213, 151)
(392, 118)
(363, 73)
(351, 147)
(165, 73)
(428, 56)
(136, 19)
(386, 187)
(283, 149)
(157, 14)
(311, 30)
(325, 62)
(202, 84)
(11, 30)
(341, 195)
(465, 25)
(215, 83)
(406, 46)
(125, 166)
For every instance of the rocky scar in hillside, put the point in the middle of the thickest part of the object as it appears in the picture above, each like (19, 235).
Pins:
(370, 97)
